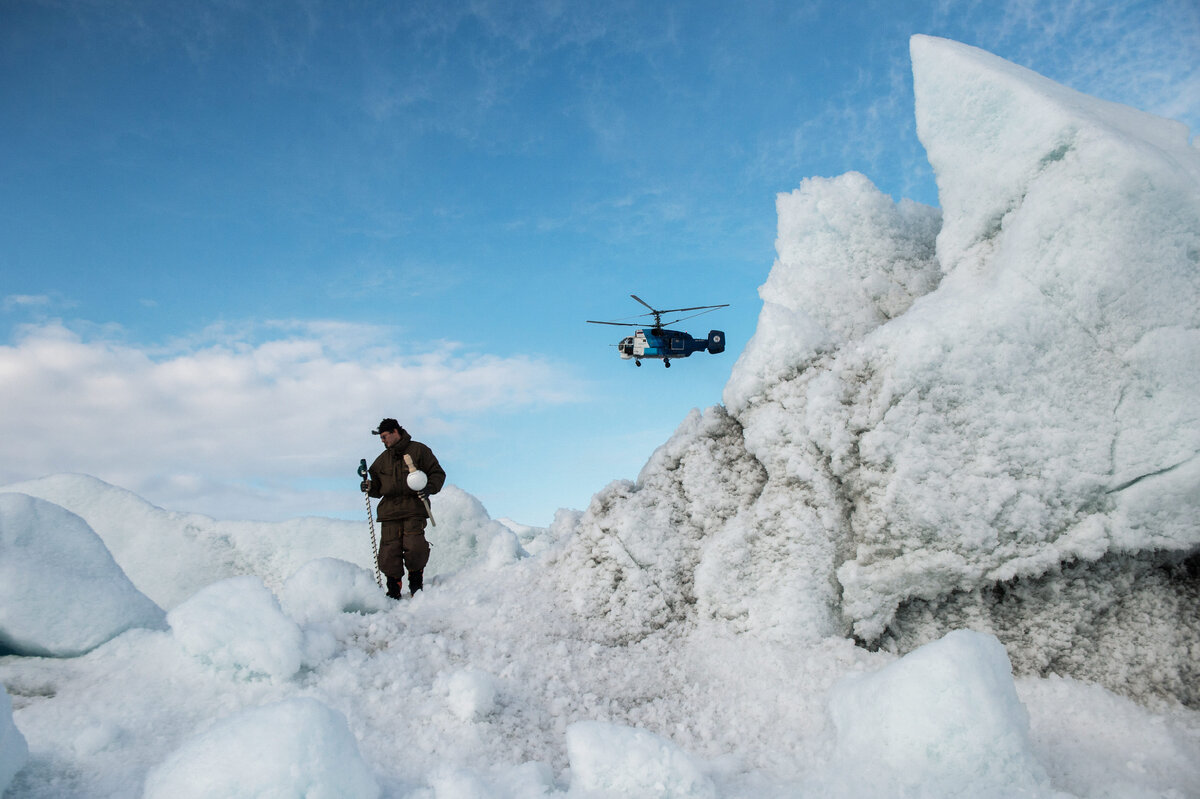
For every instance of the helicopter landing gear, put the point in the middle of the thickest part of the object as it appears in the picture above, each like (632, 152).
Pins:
(637, 363)
(666, 363)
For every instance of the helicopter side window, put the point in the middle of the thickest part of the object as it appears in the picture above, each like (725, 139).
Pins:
(677, 344)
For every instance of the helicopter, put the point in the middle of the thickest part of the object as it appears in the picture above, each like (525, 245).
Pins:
(658, 342)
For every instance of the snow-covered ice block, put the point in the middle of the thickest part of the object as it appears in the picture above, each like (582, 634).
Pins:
(504, 549)
(944, 720)
(296, 748)
(996, 132)
(466, 536)
(622, 761)
(237, 624)
(13, 748)
(61, 592)
(326, 587)
(1038, 407)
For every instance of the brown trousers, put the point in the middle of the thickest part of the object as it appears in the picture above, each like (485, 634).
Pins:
(402, 546)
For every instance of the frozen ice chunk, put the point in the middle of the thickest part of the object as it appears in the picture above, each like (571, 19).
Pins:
(238, 624)
(993, 130)
(466, 536)
(944, 720)
(849, 260)
(326, 587)
(504, 548)
(296, 748)
(61, 592)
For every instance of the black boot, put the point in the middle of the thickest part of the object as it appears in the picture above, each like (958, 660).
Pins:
(416, 580)
(394, 589)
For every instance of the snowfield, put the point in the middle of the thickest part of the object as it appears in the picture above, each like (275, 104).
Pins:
(942, 538)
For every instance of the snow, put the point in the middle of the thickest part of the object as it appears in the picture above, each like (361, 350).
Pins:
(237, 624)
(148, 541)
(961, 445)
(470, 694)
(488, 684)
(324, 588)
(61, 593)
(996, 399)
(298, 747)
(619, 761)
(943, 721)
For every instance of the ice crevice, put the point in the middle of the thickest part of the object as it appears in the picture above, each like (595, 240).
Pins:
(1149, 475)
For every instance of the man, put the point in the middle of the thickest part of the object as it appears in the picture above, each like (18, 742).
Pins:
(401, 512)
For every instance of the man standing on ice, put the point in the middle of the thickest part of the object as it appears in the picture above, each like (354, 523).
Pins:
(404, 475)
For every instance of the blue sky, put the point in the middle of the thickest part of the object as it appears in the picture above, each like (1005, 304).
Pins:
(233, 235)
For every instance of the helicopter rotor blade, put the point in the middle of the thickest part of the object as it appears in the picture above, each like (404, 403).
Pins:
(657, 314)
(624, 320)
(643, 302)
(693, 316)
(697, 308)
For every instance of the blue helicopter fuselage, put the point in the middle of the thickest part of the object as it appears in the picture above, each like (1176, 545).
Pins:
(667, 344)
(657, 341)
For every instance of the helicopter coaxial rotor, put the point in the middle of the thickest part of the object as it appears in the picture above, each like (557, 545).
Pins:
(658, 314)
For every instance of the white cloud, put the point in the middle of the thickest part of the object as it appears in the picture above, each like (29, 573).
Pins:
(33, 303)
(14, 301)
(265, 409)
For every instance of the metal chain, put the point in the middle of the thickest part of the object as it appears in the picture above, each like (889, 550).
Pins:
(374, 547)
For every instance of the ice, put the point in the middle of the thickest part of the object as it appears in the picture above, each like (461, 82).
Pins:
(945, 720)
(465, 535)
(143, 537)
(482, 678)
(614, 760)
(849, 259)
(61, 593)
(295, 748)
(13, 748)
(997, 134)
(323, 588)
(238, 624)
(984, 417)
(630, 562)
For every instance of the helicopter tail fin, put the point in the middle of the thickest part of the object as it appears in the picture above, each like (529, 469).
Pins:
(716, 341)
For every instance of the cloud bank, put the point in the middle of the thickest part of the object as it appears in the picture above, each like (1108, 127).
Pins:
(247, 420)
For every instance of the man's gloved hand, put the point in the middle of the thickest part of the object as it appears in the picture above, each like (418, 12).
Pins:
(366, 486)
(423, 496)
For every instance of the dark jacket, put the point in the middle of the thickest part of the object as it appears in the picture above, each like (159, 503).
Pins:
(389, 479)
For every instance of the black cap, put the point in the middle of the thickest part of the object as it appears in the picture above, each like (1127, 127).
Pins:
(386, 425)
